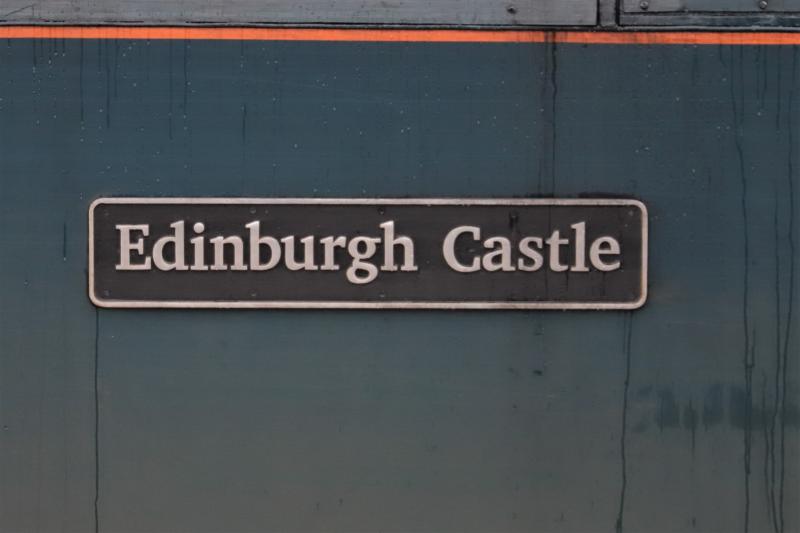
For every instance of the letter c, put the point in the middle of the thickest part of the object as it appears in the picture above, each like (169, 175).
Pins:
(448, 249)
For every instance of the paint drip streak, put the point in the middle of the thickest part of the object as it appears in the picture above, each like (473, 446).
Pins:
(790, 305)
(748, 353)
(627, 350)
(769, 475)
(96, 423)
(553, 103)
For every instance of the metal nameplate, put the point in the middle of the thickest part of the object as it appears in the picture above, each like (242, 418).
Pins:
(368, 253)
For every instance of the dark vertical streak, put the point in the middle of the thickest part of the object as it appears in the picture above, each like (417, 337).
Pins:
(762, 59)
(790, 305)
(80, 79)
(768, 459)
(108, 85)
(242, 91)
(185, 78)
(748, 354)
(242, 85)
(244, 125)
(169, 91)
(695, 66)
(771, 442)
(553, 99)
(547, 112)
(627, 349)
(96, 423)
(116, 69)
(779, 88)
(693, 425)
(542, 167)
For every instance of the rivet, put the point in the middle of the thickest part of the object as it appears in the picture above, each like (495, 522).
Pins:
(763, 4)
(644, 5)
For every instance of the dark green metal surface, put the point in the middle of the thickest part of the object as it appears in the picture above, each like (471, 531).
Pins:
(682, 416)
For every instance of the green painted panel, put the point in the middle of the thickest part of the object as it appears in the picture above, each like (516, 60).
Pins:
(680, 416)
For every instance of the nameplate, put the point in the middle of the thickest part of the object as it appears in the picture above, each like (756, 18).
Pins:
(368, 253)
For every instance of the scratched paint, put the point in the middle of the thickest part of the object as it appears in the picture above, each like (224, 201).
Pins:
(682, 416)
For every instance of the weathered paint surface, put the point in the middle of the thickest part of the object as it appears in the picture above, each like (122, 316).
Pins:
(746, 14)
(440, 12)
(711, 6)
(682, 416)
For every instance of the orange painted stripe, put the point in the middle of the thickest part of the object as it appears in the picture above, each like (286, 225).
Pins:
(398, 35)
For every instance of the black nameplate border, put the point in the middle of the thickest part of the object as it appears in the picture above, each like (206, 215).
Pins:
(368, 253)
